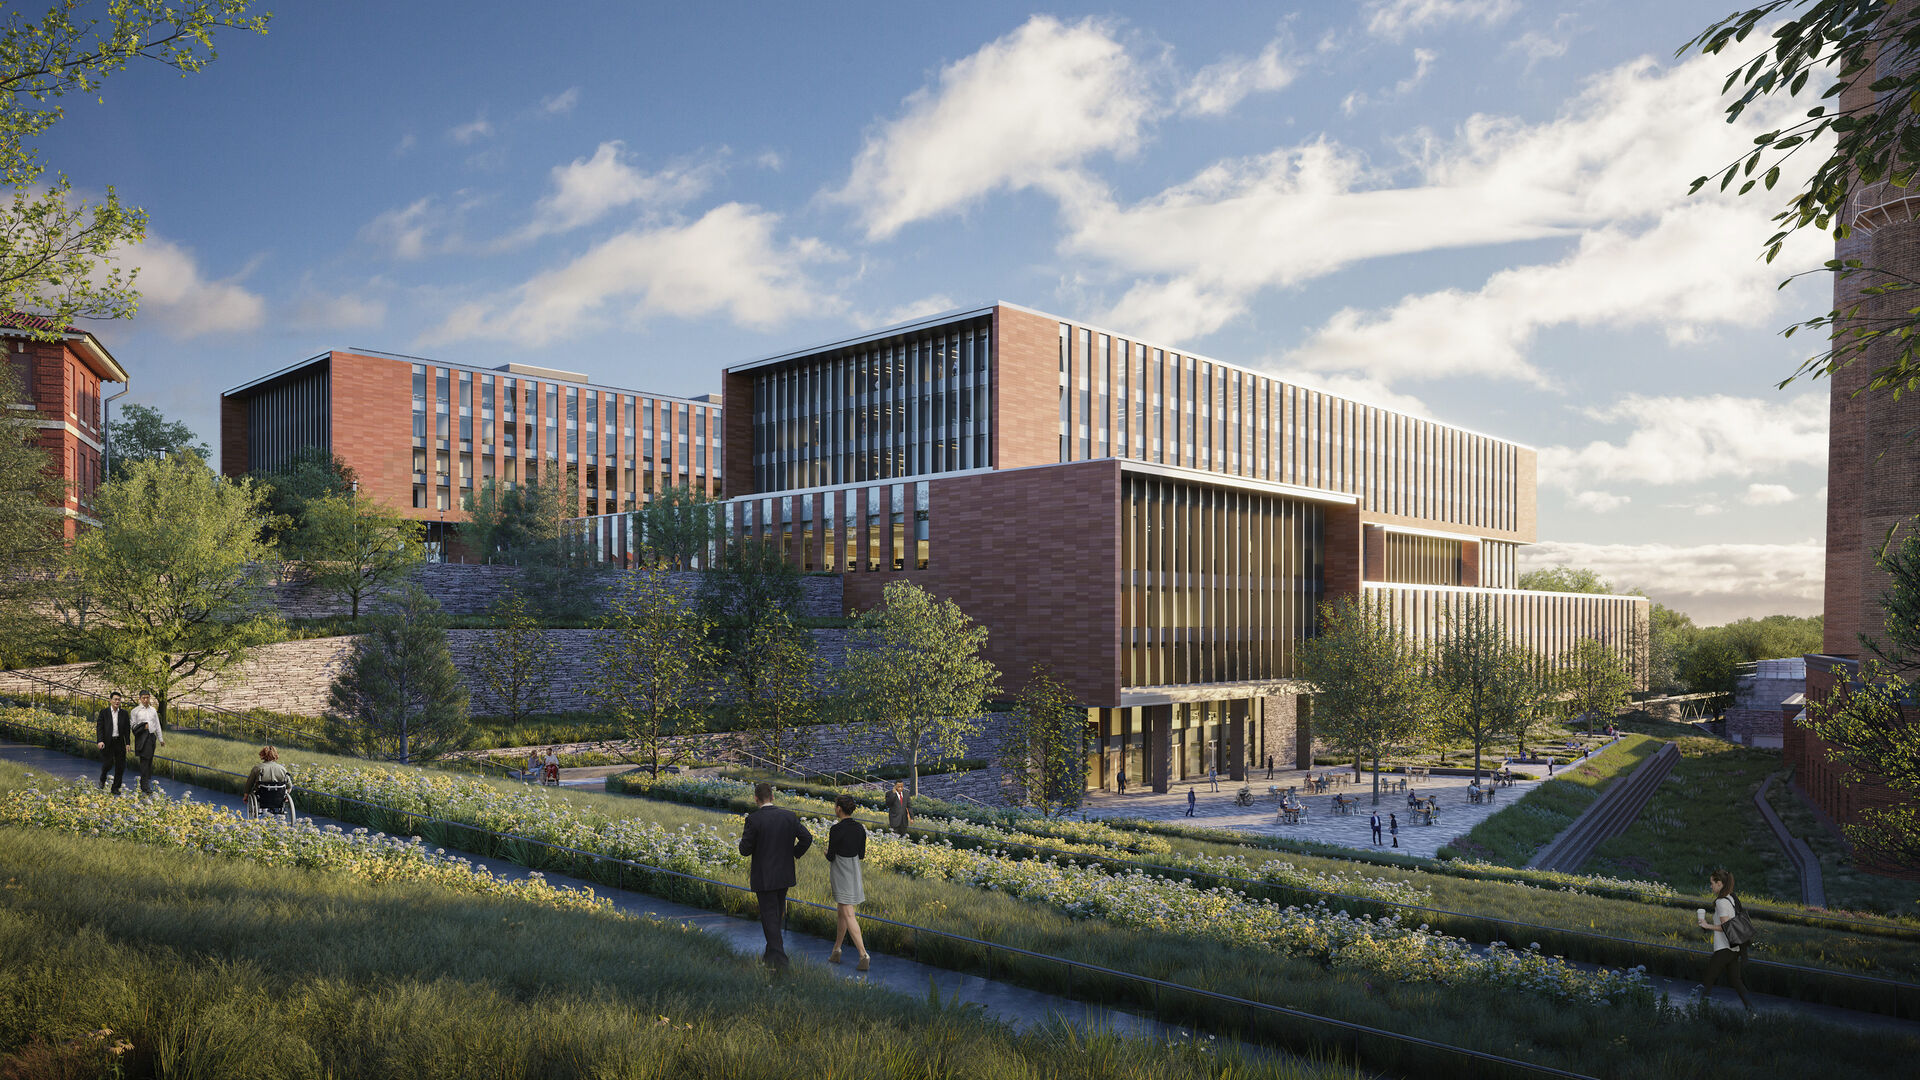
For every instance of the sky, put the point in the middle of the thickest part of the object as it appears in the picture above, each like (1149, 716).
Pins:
(1474, 210)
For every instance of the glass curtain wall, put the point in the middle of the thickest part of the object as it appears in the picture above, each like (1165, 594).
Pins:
(1220, 583)
(909, 406)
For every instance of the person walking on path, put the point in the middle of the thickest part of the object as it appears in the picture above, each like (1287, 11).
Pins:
(1375, 824)
(773, 838)
(112, 727)
(899, 809)
(1393, 826)
(1728, 956)
(1213, 777)
(1121, 779)
(1191, 799)
(846, 847)
(147, 737)
(1269, 766)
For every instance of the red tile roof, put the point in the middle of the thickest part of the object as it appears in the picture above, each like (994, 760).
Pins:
(20, 320)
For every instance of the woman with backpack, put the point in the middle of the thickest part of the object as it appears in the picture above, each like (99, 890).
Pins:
(1732, 933)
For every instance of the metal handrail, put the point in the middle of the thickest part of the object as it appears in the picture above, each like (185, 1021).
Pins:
(1345, 1027)
(862, 778)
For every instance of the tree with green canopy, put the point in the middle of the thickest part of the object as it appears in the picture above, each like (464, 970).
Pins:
(1485, 684)
(311, 473)
(1871, 723)
(656, 663)
(143, 434)
(680, 526)
(356, 549)
(915, 673)
(399, 697)
(30, 495)
(168, 591)
(1043, 748)
(517, 659)
(1595, 679)
(57, 250)
(1371, 693)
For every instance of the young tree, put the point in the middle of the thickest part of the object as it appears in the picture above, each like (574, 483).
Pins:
(680, 526)
(356, 549)
(167, 592)
(517, 660)
(1371, 695)
(399, 697)
(1043, 753)
(523, 525)
(655, 664)
(771, 682)
(1483, 682)
(142, 434)
(1595, 679)
(1857, 140)
(56, 257)
(1869, 726)
(312, 473)
(749, 576)
(915, 673)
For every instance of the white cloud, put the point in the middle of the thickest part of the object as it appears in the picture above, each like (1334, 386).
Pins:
(771, 160)
(727, 262)
(1538, 45)
(562, 102)
(1676, 275)
(1220, 86)
(1714, 583)
(181, 300)
(1023, 112)
(1422, 67)
(406, 232)
(477, 128)
(1680, 440)
(899, 313)
(587, 189)
(405, 144)
(326, 312)
(1600, 502)
(1353, 388)
(1394, 19)
(1768, 495)
(1612, 169)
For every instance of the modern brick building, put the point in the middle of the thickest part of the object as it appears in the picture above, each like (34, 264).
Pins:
(61, 381)
(422, 434)
(1873, 476)
(1157, 526)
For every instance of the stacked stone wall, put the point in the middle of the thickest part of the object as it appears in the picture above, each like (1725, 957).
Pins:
(471, 589)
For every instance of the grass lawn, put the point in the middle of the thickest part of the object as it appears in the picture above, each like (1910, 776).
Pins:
(526, 988)
(1513, 835)
(1849, 888)
(216, 968)
(1703, 817)
(1812, 945)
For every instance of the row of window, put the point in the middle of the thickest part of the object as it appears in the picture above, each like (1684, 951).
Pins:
(1125, 399)
(83, 387)
(1200, 739)
(1546, 624)
(1420, 560)
(1219, 584)
(872, 529)
(607, 437)
(907, 407)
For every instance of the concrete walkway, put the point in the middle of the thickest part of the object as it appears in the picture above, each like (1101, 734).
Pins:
(1016, 1006)
(1217, 809)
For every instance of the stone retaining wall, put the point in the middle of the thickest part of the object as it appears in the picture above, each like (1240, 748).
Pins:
(470, 589)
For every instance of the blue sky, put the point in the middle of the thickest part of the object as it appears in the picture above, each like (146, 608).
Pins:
(1474, 209)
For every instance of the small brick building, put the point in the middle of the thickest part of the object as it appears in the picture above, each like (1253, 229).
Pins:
(61, 381)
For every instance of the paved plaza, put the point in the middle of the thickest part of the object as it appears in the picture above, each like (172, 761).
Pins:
(1214, 809)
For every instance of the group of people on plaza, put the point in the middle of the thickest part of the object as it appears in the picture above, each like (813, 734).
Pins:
(117, 727)
(774, 839)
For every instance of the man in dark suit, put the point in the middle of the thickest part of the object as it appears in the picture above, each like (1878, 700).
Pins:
(112, 727)
(773, 838)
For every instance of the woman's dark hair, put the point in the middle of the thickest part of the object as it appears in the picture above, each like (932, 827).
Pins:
(268, 753)
(846, 804)
(1722, 883)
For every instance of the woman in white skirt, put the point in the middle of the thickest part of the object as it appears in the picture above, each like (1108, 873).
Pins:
(846, 846)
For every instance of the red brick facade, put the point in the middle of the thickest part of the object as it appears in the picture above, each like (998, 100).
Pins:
(1034, 555)
(62, 382)
(1026, 389)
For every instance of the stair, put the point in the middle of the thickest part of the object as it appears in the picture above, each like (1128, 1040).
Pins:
(1608, 817)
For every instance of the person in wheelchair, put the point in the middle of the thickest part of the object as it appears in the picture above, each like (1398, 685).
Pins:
(269, 789)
